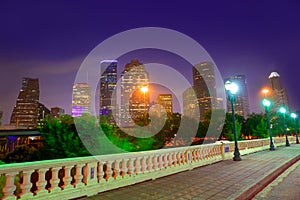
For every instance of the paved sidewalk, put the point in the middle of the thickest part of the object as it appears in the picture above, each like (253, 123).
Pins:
(223, 180)
(286, 186)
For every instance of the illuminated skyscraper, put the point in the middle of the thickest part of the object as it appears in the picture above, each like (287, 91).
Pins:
(278, 94)
(166, 101)
(205, 86)
(81, 99)
(108, 82)
(134, 92)
(28, 112)
(241, 104)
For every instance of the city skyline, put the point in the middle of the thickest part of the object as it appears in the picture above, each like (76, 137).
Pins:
(48, 48)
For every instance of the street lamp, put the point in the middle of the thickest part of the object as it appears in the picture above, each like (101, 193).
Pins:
(282, 110)
(265, 92)
(231, 89)
(267, 104)
(144, 89)
(294, 116)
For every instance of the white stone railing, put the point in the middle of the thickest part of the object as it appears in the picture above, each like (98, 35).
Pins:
(251, 146)
(86, 176)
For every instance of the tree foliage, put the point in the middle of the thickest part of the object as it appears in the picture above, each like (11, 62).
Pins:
(61, 139)
(227, 131)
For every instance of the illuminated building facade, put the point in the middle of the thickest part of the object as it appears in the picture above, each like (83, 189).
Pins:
(205, 86)
(81, 99)
(134, 92)
(241, 105)
(166, 101)
(28, 112)
(278, 93)
(108, 82)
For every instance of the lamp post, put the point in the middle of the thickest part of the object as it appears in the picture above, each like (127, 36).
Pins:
(294, 116)
(267, 104)
(282, 110)
(232, 88)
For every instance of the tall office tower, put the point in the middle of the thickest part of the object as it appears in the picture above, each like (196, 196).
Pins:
(81, 99)
(134, 92)
(1, 114)
(56, 112)
(25, 112)
(108, 82)
(278, 94)
(241, 104)
(205, 86)
(190, 103)
(166, 101)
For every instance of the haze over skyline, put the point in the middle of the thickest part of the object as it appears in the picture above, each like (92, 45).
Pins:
(49, 40)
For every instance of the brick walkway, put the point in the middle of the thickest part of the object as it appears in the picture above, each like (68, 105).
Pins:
(286, 186)
(223, 180)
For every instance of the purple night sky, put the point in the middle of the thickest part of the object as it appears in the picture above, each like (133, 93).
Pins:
(49, 40)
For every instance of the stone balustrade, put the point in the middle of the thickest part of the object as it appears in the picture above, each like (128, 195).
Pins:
(86, 176)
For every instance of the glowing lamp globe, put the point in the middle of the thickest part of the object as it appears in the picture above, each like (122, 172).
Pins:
(293, 115)
(266, 103)
(233, 88)
(282, 110)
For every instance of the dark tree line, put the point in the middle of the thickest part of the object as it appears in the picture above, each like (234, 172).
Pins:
(67, 137)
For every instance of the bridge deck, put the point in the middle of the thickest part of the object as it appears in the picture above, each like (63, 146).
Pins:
(223, 180)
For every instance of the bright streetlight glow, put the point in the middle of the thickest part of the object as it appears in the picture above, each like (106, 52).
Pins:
(266, 103)
(282, 110)
(144, 89)
(265, 91)
(293, 115)
(232, 87)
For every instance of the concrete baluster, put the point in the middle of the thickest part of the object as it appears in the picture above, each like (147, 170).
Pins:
(160, 162)
(154, 162)
(107, 170)
(130, 167)
(55, 180)
(41, 183)
(68, 178)
(115, 169)
(143, 164)
(25, 186)
(99, 172)
(122, 168)
(137, 165)
(149, 164)
(85, 173)
(79, 176)
(9, 188)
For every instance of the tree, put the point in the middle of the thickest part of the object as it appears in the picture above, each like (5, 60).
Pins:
(23, 153)
(227, 131)
(213, 122)
(61, 139)
(256, 126)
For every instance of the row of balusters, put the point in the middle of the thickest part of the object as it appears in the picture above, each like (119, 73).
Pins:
(79, 175)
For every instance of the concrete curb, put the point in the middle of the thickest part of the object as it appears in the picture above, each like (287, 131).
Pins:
(259, 186)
